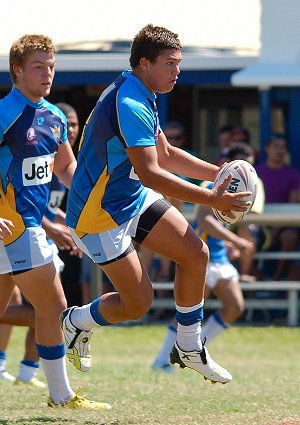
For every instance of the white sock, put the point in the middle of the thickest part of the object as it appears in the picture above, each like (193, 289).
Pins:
(2, 365)
(213, 327)
(189, 337)
(81, 318)
(27, 373)
(163, 357)
(60, 390)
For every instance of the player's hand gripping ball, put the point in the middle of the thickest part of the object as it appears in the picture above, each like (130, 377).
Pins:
(244, 179)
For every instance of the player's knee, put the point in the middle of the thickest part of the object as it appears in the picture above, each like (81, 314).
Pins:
(55, 307)
(237, 307)
(139, 308)
(197, 260)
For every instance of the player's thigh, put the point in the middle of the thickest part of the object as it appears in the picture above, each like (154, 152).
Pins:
(16, 297)
(130, 278)
(229, 292)
(6, 290)
(41, 286)
(173, 237)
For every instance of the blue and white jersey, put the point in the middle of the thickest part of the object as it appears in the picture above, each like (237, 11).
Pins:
(105, 191)
(30, 134)
(217, 247)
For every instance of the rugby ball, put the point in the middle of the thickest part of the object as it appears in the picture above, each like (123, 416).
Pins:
(244, 179)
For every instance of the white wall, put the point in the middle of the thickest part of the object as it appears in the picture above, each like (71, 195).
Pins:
(280, 35)
(279, 60)
(206, 23)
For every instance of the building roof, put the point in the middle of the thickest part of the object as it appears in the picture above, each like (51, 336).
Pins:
(212, 31)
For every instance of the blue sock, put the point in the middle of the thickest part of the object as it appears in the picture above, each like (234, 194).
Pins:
(95, 313)
(2, 355)
(51, 353)
(219, 320)
(30, 363)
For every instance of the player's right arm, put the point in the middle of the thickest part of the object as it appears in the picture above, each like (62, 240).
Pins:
(146, 165)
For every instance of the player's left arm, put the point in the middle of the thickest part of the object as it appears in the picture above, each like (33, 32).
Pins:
(65, 163)
(178, 161)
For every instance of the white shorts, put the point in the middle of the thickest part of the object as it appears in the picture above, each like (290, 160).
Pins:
(217, 271)
(59, 264)
(30, 250)
(105, 247)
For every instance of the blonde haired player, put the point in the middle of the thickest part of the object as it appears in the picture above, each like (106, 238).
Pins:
(33, 145)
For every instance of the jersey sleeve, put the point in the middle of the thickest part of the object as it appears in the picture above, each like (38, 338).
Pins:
(137, 123)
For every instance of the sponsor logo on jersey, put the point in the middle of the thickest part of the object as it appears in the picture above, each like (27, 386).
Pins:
(37, 170)
(40, 120)
(31, 137)
(56, 132)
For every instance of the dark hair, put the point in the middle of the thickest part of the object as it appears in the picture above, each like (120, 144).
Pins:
(225, 129)
(276, 136)
(244, 132)
(240, 149)
(65, 107)
(150, 41)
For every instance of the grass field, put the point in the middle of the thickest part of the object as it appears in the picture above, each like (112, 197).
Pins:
(265, 389)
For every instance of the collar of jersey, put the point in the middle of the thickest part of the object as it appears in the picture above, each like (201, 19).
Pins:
(128, 74)
(20, 96)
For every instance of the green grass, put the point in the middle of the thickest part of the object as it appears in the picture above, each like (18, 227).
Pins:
(265, 389)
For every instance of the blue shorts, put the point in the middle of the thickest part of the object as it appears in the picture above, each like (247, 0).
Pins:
(30, 250)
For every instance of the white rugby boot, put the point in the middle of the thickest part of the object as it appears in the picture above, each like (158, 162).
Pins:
(7, 376)
(77, 342)
(201, 362)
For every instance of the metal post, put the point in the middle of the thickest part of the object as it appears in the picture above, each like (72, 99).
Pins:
(293, 307)
(265, 118)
